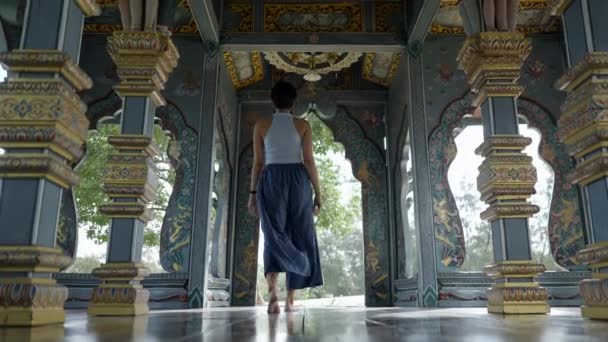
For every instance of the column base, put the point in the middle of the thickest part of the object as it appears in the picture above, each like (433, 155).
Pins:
(595, 297)
(23, 304)
(119, 301)
(513, 298)
(120, 293)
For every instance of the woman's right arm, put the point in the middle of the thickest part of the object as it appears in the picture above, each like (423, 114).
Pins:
(309, 163)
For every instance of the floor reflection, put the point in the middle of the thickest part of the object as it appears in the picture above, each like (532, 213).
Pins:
(319, 324)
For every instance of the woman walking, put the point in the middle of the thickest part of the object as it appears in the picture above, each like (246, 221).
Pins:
(282, 195)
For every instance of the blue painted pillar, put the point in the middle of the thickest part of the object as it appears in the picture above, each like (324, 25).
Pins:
(43, 130)
(428, 290)
(583, 127)
(492, 62)
(199, 252)
(144, 61)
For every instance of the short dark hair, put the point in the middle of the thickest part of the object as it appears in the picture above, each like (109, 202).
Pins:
(283, 95)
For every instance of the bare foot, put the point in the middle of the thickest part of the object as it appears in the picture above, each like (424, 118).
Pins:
(273, 301)
(273, 305)
(289, 305)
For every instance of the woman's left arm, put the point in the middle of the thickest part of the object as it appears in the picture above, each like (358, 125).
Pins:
(256, 169)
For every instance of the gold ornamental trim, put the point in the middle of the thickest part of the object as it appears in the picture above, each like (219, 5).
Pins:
(494, 59)
(52, 61)
(256, 64)
(593, 254)
(132, 210)
(595, 298)
(515, 269)
(590, 170)
(273, 13)
(509, 210)
(368, 69)
(523, 4)
(144, 60)
(34, 165)
(499, 142)
(90, 8)
(121, 271)
(134, 142)
(32, 259)
(593, 64)
(523, 299)
(245, 10)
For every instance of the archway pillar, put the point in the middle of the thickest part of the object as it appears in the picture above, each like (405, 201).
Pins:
(144, 61)
(583, 127)
(43, 129)
(492, 62)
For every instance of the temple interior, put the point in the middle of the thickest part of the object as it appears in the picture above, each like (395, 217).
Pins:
(468, 141)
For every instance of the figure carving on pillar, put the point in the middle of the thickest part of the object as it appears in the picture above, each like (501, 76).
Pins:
(500, 15)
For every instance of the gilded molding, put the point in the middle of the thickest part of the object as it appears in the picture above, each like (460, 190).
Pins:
(515, 269)
(523, 4)
(245, 10)
(503, 142)
(381, 11)
(591, 169)
(256, 64)
(593, 254)
(518, 298)
(144, 61)
(273, 13)
(595, 298)
(34, 165)
(133, 271)
(126, 210)
(120, 293)
(492, 60)
(30, 301)
(368, 69)
(594, 63)
(43, 61)
(32, 259)
(30, 304)
(90, 8)
(506, 210)
(134, 142)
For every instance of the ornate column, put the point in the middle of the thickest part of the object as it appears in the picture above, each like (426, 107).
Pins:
(43, 128)
(583, 127)
(492, 62)
(144, 61)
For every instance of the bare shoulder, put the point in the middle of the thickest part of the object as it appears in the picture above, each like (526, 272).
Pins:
(302, 125)
(262, 124)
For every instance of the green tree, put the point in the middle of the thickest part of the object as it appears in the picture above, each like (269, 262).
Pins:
(90, 196)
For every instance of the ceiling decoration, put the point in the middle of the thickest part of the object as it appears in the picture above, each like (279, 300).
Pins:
(238, 17)
(312, 65)
(328, 17)
(380, 68)
(109, 20)
(530, 18)
(387, 16)
(245, 68)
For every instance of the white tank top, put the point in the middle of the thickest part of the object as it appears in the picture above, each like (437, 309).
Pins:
(282, 143)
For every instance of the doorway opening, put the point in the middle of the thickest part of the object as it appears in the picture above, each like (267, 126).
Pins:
(339, 229)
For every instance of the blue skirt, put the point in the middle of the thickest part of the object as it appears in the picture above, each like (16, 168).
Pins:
(285, 205)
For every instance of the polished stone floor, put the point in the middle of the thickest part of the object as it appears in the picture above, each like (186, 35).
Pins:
(320, 324)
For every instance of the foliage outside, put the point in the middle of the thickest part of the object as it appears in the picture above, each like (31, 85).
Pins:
(90, 196)
(339, 226)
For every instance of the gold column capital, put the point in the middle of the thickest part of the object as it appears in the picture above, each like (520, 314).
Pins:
(144, 60)
(47, 61)
(492, 62)
(593, 64)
